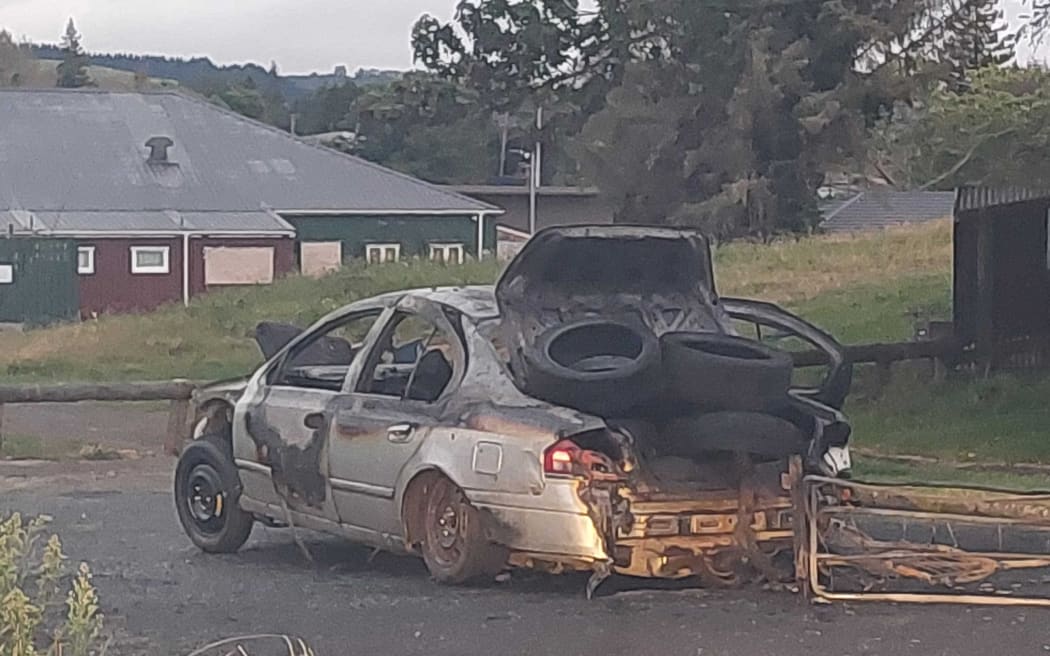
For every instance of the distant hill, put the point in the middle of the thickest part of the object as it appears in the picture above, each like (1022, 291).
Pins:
(202, 73)
(44, 74)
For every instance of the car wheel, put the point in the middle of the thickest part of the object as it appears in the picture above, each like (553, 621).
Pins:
(595, 366)
(454, 545)
(725, 372)
(207, 490)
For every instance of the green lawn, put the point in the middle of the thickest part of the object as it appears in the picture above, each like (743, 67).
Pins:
(865, 289)
(25, 447)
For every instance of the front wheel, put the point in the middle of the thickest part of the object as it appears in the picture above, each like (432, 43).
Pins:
(207, 490)
(454, 545)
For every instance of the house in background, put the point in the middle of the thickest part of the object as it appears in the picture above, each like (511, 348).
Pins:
(555, 206)
(166, 196)
(882, 208)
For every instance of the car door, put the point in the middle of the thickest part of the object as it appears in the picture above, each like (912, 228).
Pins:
(289, 415)
(391, 409)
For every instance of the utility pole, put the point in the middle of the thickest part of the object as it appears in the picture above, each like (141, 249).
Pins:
(535, 172)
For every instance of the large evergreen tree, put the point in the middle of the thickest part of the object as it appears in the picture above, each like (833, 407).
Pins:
(72, 70)
(976, 38)
(723, 114)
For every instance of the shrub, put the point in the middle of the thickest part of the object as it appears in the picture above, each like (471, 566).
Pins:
(32, 621)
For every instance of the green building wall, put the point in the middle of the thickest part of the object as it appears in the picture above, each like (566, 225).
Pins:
(44, 287)
(414, 233)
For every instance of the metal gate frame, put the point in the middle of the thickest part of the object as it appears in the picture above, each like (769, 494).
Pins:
(828, 500)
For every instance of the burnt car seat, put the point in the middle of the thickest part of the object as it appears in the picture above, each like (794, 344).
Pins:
(432, 376)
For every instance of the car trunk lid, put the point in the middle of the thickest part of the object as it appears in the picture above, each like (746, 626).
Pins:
(660, 277)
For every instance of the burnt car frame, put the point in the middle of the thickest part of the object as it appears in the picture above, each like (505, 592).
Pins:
(399, 422)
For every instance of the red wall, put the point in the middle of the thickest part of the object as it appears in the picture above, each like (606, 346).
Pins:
(283, 256)
(113, 288)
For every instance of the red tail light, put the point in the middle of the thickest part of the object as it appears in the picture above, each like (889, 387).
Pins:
(562, 459)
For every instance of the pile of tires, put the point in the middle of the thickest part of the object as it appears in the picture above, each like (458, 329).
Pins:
(683, 394)
(622, 369)
(594, 365)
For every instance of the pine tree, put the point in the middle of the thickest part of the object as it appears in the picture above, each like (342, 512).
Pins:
(15, 63)
(976, 38)
(72, 71)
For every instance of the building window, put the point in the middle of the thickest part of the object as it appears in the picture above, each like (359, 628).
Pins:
(381, 253)
(86, 260)
(150, 259)
(447, 253)
(7, 274)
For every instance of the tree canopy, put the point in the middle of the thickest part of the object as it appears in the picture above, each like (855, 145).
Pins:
(996, 133)
(711, 113)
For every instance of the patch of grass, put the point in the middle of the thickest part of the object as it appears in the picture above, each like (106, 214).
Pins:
(212, 338)
(792, 271)
(885, 311)
(881, 471)
(852, 285)
(24, 447)
(1001, 419)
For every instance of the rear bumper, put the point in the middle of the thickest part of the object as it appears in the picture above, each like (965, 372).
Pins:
(700, 539)
(655, 536)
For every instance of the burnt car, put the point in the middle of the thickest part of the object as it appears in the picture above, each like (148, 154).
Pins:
(595, 410)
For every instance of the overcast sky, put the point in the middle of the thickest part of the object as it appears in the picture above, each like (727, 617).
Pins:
(300, 35)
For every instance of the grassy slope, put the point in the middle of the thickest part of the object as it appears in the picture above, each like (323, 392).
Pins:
(864, 289)
(44, 74)
(861, 288)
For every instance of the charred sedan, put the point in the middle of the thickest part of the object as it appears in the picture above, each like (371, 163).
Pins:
(596, 410)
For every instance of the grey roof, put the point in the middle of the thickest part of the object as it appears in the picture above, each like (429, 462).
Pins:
(872, 210)
(155, 221)
(81, 151)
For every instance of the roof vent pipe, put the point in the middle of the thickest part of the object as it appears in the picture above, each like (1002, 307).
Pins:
(158, 149)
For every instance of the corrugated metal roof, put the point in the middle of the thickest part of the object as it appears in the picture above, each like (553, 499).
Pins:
(160, 221)
(975, 198)
(64, 150)
(871, 210)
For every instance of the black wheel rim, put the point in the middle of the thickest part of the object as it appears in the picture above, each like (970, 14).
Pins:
(205, 499)
(445, 524)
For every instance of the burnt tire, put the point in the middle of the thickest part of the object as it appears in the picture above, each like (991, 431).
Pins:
(596, 366)
(207, 491)
(725, 372)
(761, 436)
(452, 536)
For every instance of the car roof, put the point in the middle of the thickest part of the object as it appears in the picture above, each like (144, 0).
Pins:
(478, 302)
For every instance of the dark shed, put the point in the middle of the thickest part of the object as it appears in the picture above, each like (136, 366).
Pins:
(1002, 274)
(38, 280)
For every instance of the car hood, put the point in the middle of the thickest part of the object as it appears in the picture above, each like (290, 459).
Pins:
(660, 276)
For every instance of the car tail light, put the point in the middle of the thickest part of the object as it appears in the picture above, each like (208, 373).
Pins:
(568, 459)
(562, 459)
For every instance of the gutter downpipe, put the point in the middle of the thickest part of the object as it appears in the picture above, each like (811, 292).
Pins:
(185, 268)
(481, 235)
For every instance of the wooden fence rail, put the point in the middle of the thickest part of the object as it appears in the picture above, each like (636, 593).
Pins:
(180, 392)
(885, 353)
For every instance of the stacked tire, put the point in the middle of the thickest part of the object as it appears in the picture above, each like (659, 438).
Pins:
(725, 392)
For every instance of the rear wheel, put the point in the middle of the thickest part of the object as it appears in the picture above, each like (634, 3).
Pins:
(207, 490)
(454, 545)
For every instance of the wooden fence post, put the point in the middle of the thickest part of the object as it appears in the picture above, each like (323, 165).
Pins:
(178, 417)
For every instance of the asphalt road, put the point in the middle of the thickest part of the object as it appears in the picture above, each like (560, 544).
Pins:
(162, 596)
